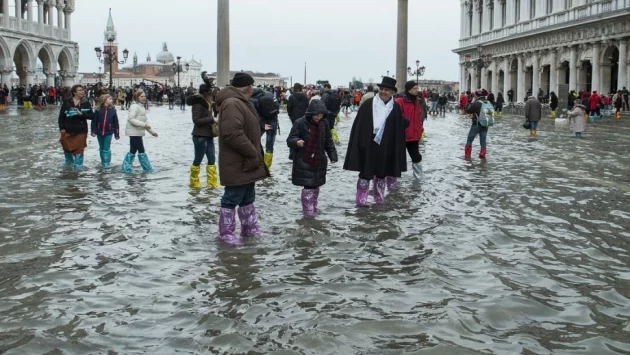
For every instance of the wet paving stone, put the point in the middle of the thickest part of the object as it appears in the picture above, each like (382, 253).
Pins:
(525, 253)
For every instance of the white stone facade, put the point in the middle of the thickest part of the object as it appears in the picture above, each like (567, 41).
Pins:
(556, 45)
(38, 29)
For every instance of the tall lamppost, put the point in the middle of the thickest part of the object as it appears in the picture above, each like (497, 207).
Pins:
(177, 67)
(110, 58)
(482, 61)
(418, 72)
(98, 75)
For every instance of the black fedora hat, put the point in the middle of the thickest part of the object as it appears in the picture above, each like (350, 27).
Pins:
(389, 83)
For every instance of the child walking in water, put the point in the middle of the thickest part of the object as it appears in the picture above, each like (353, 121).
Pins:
(104, 126)
(311, 140)
(137, 124)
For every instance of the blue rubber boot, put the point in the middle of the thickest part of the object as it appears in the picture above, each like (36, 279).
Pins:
(106, 158)
(69, 159)
(127, 164)
(144, 161)
(78, 162)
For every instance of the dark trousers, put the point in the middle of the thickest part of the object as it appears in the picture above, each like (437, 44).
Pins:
(271, 137)
(241, 195)
(625, 103)
(413, 148)
(203, 146)
(477, 130)
(136, 145)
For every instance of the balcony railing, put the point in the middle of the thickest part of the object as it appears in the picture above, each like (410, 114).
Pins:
(36, 28)
(609, 7)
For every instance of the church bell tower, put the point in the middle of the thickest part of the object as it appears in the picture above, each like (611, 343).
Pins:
(110, 32)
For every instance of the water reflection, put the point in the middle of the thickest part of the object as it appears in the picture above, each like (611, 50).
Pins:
(523, 254)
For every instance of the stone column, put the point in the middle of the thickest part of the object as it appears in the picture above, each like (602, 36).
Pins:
(473, 79)
(51, 17)
(462, 20)
(535, 74)
(475, 19)
(5, 12)
(18, 14)
(401, 44)
(483, 72)
(223, 43)
(507, 77)
(29, 10)
(30, 76)
(6, 77)
(622, 74)
(40, 11)
(596, 67)
(553, 72)
(462, 77)
(521, 90)
(68, 79)
(50, 79)
(68, 19)
(495, 78)
(60, 6)
(573, 64)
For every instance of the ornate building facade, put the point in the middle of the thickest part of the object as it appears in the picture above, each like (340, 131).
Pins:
(553, 45)
(29, 33)
(160, 70)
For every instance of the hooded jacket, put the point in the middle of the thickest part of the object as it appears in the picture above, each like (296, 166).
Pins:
(261, 99)
(201, 116)
(105, 122)
(304, 174)
(412, 110)
(240, 153)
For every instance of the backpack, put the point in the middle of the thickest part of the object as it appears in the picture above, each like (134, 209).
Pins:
(334, 102)
(268, 107)
(486, 114)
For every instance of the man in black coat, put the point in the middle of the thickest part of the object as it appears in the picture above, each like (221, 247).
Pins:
(377, 143)
(298, 103)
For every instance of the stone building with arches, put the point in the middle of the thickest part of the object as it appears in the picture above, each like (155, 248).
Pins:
(553, 45)
(32, 31)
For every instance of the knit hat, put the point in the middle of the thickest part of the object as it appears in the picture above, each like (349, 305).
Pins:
(409, 85)
(242, 80)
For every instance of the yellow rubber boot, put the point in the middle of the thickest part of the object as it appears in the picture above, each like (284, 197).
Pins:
(268, 160)
(338, 119)
(194, 177)
(335, 136)
(213, 177)
(553, 114)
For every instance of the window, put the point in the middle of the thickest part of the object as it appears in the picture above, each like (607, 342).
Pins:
(517, 10)
(568, 4)
(491, 14)
(470, 20)
(503, 13)
(480, 16)
(549, 6)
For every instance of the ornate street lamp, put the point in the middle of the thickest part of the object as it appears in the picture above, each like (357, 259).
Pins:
(418, 72)
(177, 68)
(110, 58)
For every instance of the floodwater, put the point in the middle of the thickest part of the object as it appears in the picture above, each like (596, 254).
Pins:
(526, 253)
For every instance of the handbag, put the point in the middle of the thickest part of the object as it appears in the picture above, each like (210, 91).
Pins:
(215, 130)
(527, 124)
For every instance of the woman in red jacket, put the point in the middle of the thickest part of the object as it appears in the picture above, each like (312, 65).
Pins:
(412, 110)
(463, 103)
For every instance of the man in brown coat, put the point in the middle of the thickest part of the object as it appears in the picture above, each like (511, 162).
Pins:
(241, 161)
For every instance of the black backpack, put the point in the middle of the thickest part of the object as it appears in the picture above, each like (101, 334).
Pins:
(333, 102)
(268, 107)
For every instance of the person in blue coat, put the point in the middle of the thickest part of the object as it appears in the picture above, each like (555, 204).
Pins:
(104, 126)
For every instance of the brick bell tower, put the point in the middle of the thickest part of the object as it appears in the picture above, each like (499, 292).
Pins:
(110, 32)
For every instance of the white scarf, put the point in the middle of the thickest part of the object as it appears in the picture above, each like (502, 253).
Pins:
(380, 112)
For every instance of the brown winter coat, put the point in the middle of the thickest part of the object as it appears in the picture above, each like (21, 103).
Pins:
(240, 153)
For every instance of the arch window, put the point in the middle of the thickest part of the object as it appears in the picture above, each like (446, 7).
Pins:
(549, 6)
(532, 9)
(503, 13)
(517, 10)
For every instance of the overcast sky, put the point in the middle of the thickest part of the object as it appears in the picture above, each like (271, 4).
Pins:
(338, 39)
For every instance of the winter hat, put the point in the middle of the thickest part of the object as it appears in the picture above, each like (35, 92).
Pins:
(577, 102)
(297, 86)
(409, 85)
(242, 80)
(484, 92)
(315, 107)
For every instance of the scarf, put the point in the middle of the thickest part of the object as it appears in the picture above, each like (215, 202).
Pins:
(380, 111)
(312, 149)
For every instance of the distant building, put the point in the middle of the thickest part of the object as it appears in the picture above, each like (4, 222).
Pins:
(160, 70)
(262, 79)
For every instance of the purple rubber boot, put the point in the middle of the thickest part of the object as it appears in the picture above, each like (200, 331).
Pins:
(249, 221)
(309, 199)
(392, 183)
(227, 226)
(363, 188)
(379, 190)
(316, 200)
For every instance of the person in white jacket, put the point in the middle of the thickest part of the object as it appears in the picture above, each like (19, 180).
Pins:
(137, 124)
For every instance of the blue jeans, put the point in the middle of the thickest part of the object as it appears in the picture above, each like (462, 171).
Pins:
(241, 195)
(203, 146)
(433, 106)
(271, 137)
(477, 129)
(534, 125)
(104, 142)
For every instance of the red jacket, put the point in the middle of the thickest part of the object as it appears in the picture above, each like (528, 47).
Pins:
(413, 112)
(594, 101)
(463, 100)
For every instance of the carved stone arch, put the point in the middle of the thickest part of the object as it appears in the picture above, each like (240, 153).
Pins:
(6, 58)
(606, 52)
(564, 56)
(585, 54)
(47, 56)
(545, 59)
(24, 50)
(65, 60)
